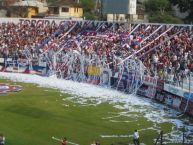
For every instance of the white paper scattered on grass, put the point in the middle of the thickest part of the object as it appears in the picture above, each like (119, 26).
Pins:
(86, 94)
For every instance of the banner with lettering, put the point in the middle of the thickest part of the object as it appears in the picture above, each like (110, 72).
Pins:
(150, 81)
(33, 21)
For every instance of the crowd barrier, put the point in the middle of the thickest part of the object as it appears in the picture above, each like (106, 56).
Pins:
(152, 87)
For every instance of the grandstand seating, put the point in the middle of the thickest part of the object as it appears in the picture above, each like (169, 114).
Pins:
(163, 49)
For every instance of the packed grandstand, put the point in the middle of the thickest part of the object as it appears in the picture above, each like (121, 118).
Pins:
(161, 47)
(79, 50)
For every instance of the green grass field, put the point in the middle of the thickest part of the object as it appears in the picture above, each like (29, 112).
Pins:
(34, 115)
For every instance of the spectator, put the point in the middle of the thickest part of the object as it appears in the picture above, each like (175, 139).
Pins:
(94, 143)
(136, 138)
(64, 141)
(2, 139)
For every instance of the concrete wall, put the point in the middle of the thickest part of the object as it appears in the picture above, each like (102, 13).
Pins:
(116, 17)
(123, 18)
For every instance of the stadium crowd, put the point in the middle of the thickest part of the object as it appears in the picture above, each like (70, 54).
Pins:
(165, 50)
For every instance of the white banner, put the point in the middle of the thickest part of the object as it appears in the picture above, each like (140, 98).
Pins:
(34, 21)
(174, 90)
(178, 91)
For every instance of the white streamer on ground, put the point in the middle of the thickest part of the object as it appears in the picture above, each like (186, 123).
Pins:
(85, 94)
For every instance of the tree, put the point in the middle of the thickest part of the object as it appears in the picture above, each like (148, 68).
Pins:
(89, 7)
(162, 5)
(166, 18)
(185, 5)
(6, 6)
(159, 11)
(157, 6)
(18, 10)
(89, 16)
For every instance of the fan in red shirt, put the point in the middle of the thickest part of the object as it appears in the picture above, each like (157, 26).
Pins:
(64, 141)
